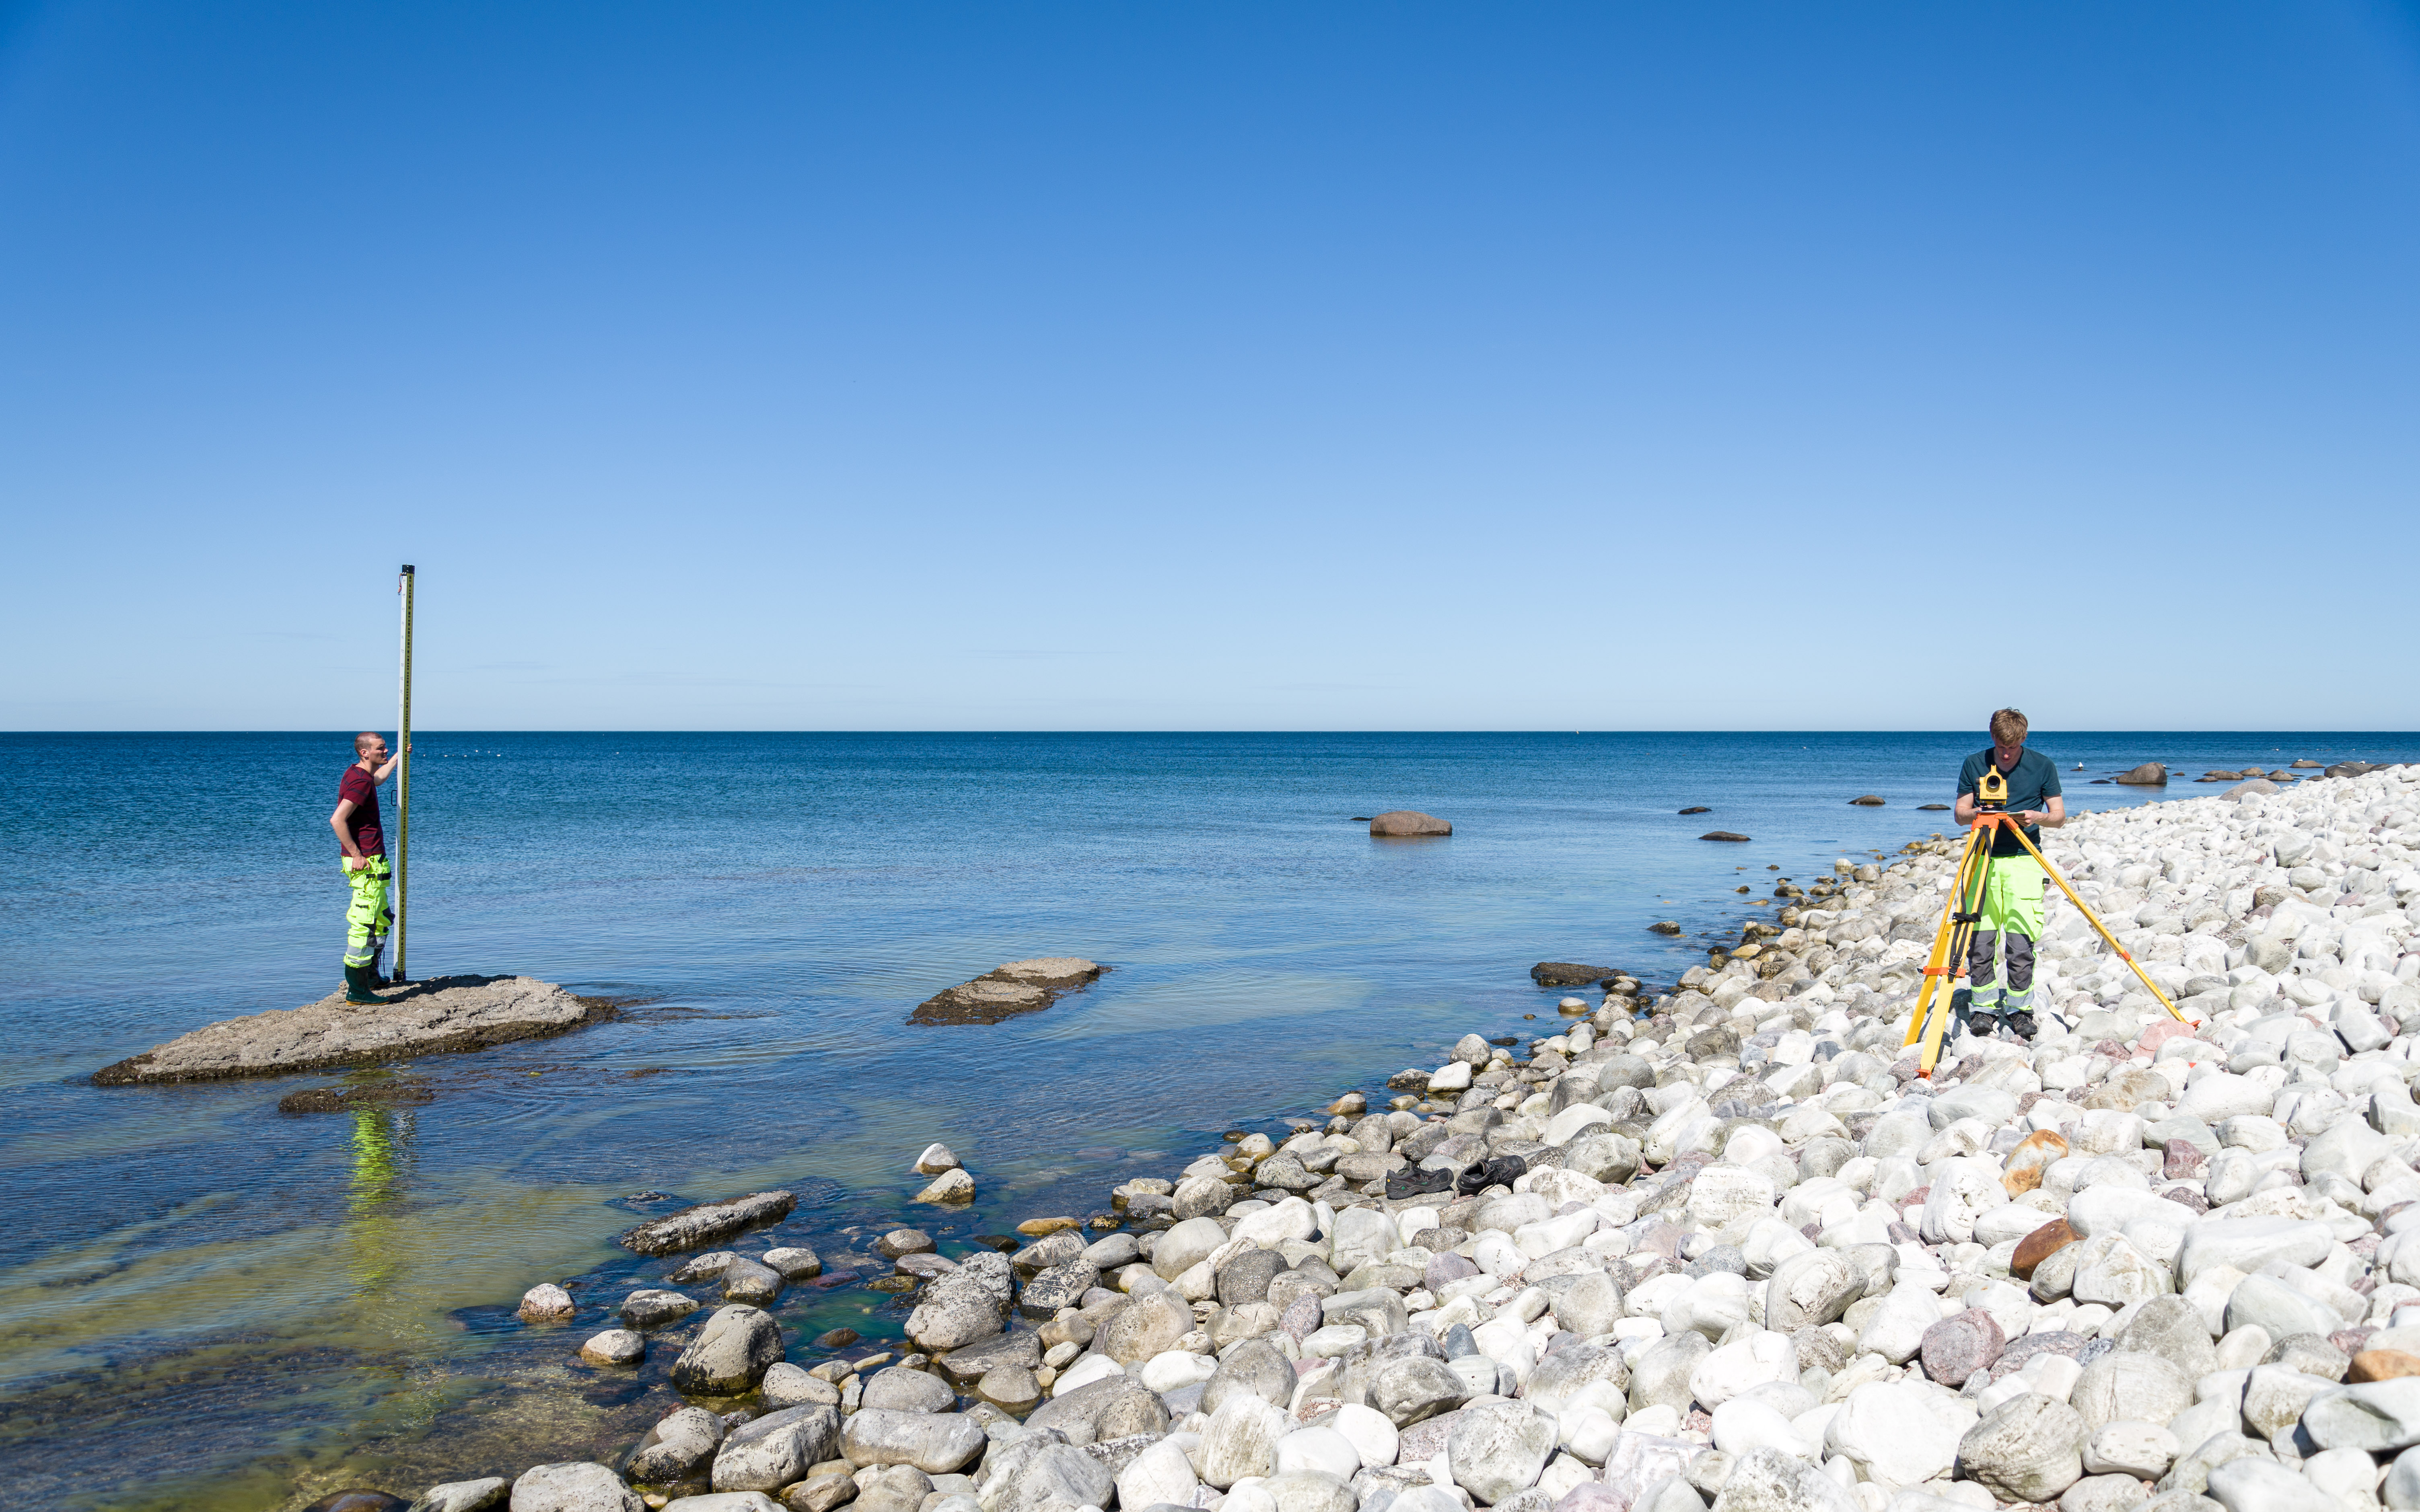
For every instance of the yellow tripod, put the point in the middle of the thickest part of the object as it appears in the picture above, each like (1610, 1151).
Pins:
(1934, 1007)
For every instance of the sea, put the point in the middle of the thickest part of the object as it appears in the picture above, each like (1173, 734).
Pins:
(208, 1304)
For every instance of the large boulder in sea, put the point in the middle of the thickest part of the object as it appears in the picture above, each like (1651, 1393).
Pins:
(2149, 775)
(1400, 823)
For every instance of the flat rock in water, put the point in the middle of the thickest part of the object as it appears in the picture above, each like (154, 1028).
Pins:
(1399, 823)
(695, 1227)
(1568, 974)
(1699, 809)
(444, 1015)
(1868, 801)
(1006, 991)
(1721, 834)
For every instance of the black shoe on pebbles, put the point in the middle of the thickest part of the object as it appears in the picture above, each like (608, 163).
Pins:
(2023, 1026)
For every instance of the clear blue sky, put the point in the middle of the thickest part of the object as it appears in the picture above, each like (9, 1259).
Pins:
(1148, 366)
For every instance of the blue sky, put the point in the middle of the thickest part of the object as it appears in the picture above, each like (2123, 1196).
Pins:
(1246, 366)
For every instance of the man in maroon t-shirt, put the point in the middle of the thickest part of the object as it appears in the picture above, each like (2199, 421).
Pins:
(356, 823)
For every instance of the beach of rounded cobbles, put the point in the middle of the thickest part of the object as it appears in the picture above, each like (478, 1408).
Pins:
(1718, 1246)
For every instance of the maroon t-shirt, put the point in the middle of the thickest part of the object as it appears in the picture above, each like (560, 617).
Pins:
(363, 821)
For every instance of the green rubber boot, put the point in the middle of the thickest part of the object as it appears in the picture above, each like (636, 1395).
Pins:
(357, 987)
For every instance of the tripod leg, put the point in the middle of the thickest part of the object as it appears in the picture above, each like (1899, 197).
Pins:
(1939, 963)
(2094, 919)
(1971, 893)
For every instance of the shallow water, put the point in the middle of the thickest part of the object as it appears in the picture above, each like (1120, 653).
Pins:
(205, 1304)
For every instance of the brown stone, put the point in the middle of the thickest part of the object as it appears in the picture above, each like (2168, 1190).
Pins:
(1397, 823)
(2149, 775)
(2382, 1364)
(2034, 1154)
(1036, 1227)
(1721, 834)
(2182, 1161)
(2039, 1245)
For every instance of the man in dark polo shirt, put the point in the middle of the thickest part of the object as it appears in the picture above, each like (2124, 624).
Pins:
(356, 823)
(2012, 896)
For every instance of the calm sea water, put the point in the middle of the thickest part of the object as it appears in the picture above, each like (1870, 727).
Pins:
(205, 1304)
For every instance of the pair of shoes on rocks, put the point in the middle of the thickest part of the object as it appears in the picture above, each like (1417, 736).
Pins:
(1417, 1184)
(1497, 1171)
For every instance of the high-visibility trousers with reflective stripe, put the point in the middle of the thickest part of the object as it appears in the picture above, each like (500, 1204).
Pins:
(2011, 923)
(367, 916)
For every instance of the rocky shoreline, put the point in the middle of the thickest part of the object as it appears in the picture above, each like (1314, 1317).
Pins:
(1719, 1246)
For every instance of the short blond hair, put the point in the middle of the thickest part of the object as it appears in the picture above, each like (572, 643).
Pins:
(2009, 726)
(363, 742)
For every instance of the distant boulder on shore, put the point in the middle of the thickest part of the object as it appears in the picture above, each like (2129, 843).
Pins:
(1403, 823)
(2149, 775)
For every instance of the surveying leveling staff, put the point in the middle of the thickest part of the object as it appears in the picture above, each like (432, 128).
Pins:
(356, 823)
(2012, 895)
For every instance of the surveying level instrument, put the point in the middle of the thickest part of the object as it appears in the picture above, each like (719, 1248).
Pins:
(1935, 1007)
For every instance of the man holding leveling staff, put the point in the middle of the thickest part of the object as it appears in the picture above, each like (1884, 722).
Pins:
(363, 842)
(2012, 895)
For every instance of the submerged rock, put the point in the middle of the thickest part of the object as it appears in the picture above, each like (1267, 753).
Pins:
(696, 1227)
(443, 1015)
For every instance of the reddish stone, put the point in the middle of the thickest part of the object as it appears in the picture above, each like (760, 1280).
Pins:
(2184, 1161)
(2159, 1034)
(1956, 1347)
(2039, 1245)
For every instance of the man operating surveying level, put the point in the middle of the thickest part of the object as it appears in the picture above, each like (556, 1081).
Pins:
(356, 823)
(2012, 892)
